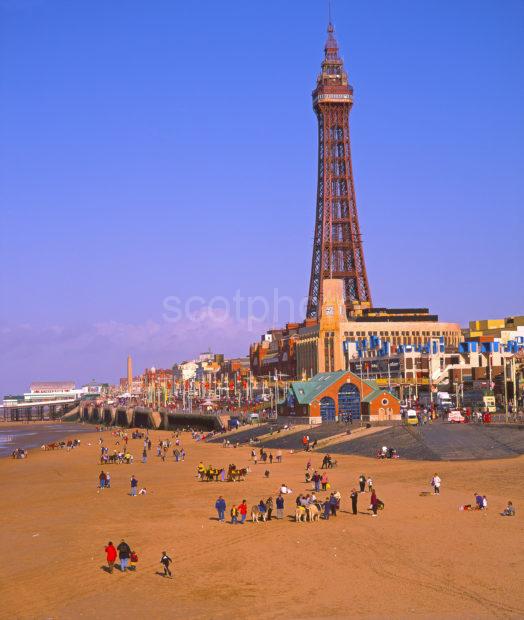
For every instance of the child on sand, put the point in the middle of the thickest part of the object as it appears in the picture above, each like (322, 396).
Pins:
(165, 560)
(509, 511)
(133, 559)
(435, 483)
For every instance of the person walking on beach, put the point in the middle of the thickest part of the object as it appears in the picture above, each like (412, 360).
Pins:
(220, 506)
(333, 504)
(280, 506)
(354, 501)
(435, 483)
(269, 506)
(279, 456)
(144, 456)
(362, 483)
(134, 485)
(242, 509)
(165, 560)
(124, 553)
(374, 503)
(108, 480)
(110, 556)
(326, 507)
(370, 484)
(102, 480)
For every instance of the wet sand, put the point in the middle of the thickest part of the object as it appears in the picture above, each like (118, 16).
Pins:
(30, 435)
(421, 556)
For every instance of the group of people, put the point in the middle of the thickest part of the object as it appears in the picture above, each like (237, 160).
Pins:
(238, 513)
(318, 480)
(127, 558)
(387, 453)
(19, 453)
(375, 504)
(326, 508)
(307, 444)
(265, 457)
(328, 462)
(115, 457)
(134, 488)
(104, 480)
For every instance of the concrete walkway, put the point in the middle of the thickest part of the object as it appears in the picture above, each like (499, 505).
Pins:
(439, 441)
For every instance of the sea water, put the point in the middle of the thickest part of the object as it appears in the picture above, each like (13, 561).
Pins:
(33, 435)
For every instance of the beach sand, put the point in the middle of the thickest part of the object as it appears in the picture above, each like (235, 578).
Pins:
(421, 556)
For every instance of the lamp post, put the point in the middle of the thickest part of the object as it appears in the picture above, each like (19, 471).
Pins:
(505, 390)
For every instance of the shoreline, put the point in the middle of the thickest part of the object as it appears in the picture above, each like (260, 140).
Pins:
(31, 437)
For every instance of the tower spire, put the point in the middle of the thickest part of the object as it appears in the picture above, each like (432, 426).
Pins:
(331, 47)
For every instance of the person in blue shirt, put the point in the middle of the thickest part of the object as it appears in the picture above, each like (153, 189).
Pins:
(333, 504)
(262, 508)
(220, 506)
(479, 501)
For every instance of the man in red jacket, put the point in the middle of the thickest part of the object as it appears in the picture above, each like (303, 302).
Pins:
(242, 509)
(110, 555)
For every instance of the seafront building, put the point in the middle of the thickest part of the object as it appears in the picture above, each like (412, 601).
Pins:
(54, 391)
(302, 350)
(504, 330)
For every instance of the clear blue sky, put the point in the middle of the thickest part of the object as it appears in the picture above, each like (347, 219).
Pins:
(168, 148)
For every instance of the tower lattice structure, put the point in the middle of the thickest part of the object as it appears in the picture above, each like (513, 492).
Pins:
(337, 245)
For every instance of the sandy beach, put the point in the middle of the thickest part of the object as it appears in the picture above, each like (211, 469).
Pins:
(420, 557)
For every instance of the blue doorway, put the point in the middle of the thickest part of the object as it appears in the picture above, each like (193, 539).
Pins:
(349, 402)
(327, 409)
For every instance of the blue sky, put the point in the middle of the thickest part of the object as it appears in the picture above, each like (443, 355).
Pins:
(165, 148)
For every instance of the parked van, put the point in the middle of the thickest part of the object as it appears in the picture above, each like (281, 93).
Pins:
(411, 417)
(233, 423)
(253, 418)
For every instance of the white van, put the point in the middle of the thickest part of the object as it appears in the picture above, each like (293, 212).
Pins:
(411, 417)
(253, 418)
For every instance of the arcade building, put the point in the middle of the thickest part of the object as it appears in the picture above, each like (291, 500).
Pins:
(338, 396)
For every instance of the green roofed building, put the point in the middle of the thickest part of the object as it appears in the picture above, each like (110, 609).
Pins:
(338, 396)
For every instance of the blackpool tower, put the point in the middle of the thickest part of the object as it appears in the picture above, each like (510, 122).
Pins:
(337, 245)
